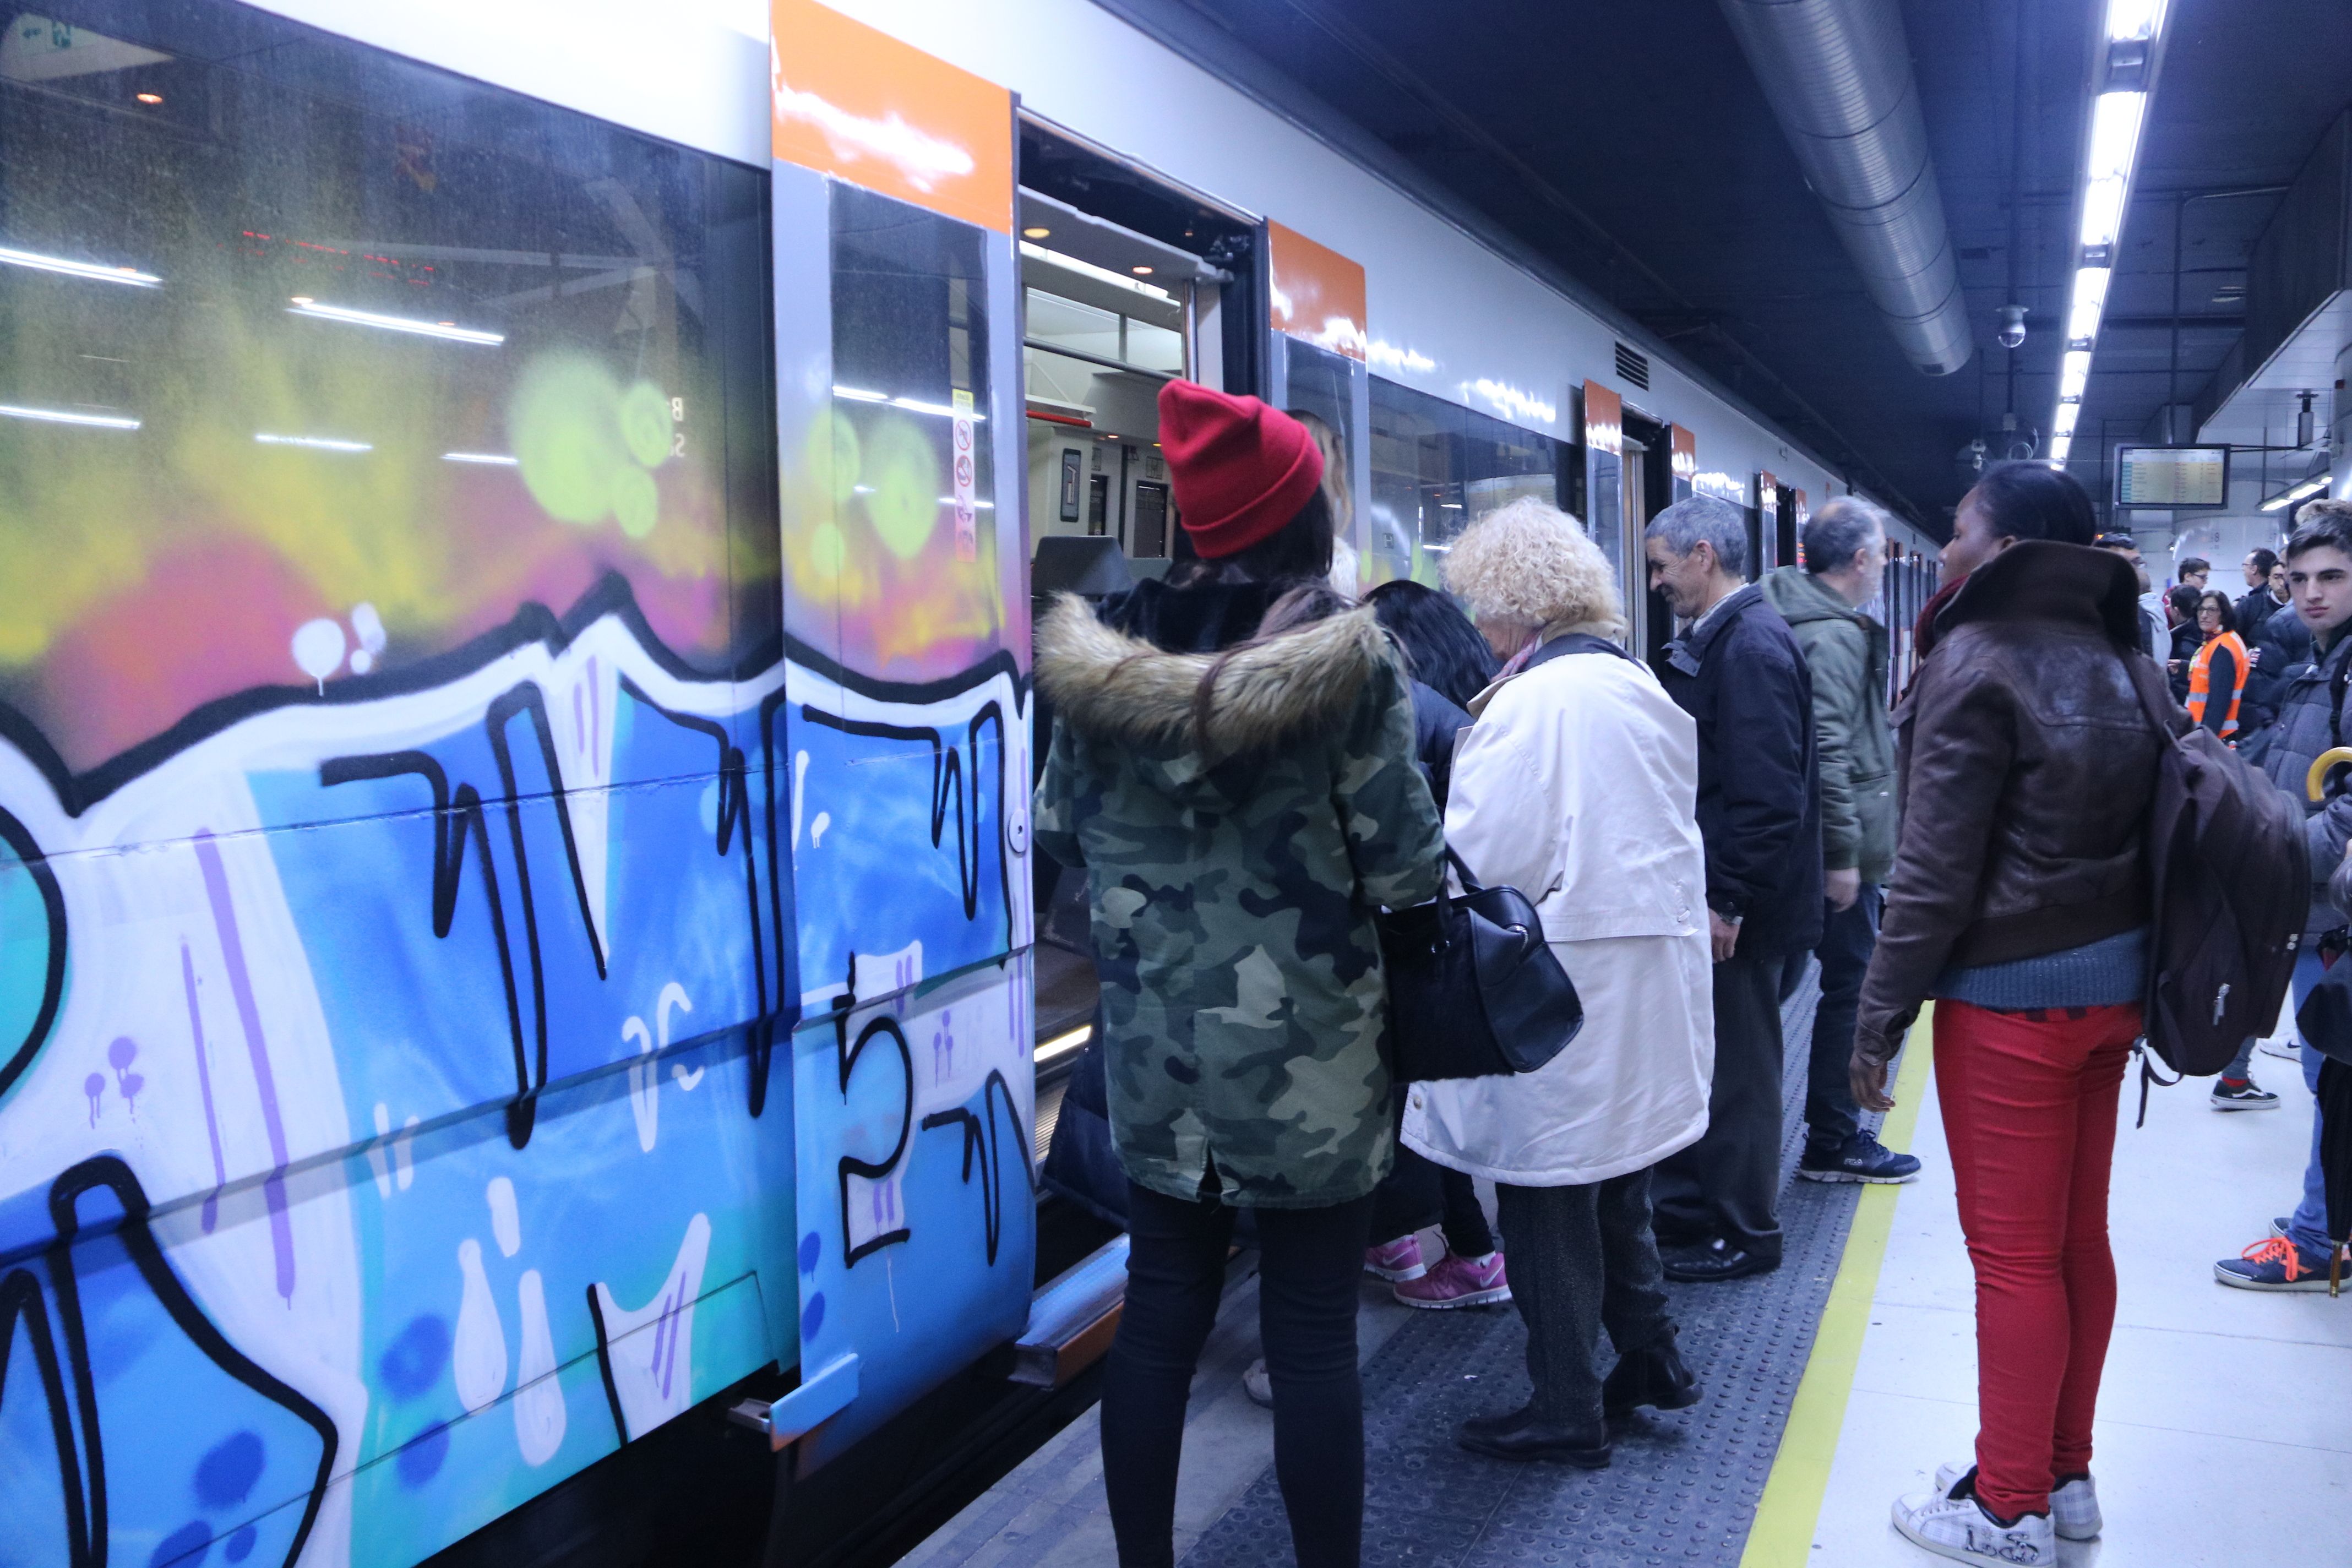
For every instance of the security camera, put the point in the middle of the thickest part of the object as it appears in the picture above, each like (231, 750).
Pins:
(2012, 326)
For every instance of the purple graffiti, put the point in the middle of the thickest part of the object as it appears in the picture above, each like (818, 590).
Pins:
(94, 1085)
(943, 1047)
(240, 985)
(205, 1083)
(120, 1055)
(665, 1337)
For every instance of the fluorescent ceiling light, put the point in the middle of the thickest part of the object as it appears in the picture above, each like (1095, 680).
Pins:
(1089, 270)
(2102, 212)
(2068, 413)
(2061, 448)
(2115, 118)
(2073, 372)
(89, 269)
(65, 417)
(316, 443)
(2134, 19)
(1063, 1045)
(442, 330)
(2090, 300)
(2308, 487)
(499, 459)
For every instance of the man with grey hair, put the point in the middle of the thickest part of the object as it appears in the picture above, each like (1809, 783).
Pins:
(1847, 653)
(1738, 671)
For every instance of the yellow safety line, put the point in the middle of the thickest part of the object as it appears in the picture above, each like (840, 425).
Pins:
(1782, 1535)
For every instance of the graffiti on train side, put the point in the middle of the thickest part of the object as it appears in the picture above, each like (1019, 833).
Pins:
(385, 1083)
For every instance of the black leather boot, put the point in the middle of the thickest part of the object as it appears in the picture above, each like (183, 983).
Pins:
(1653, 1375)
(1539, 1440)
(1485, 1427)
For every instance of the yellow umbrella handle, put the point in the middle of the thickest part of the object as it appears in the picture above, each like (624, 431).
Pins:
(2314, 783)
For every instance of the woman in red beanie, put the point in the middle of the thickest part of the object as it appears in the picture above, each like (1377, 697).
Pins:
(1244, 804)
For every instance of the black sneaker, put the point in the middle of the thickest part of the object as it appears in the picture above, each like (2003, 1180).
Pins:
(2244, 1095)
(1862, 1158)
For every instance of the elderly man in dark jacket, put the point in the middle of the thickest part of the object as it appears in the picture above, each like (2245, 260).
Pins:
(1738, 670)
(1847, 653)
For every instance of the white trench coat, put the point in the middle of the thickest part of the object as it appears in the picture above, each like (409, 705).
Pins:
(1579, 785)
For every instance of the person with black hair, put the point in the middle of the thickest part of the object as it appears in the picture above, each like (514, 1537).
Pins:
(1244, 805)
(2192, 573)
(2258, 604)
(2153, 631)
(2026, 761)
(2180, 614)
(2319, 566)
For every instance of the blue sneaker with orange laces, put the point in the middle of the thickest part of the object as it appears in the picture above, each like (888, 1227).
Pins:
(2277, 1263)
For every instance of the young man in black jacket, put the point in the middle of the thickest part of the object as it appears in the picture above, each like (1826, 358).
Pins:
(1738, 670)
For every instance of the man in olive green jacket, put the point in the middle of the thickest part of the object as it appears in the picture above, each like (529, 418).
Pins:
(1845, 557)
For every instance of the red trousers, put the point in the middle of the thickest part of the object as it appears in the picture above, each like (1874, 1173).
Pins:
(2029, 1105)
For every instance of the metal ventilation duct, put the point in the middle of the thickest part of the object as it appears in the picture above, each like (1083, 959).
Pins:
(1838, 75)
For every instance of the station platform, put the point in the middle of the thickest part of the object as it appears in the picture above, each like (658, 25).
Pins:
(1833, 1385)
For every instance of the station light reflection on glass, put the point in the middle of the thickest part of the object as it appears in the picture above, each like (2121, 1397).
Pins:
(2118, 115)
(315, 443)
(92, 270)
(911, 404)
(445, 330)
(67, 416)
(2302, 491)
(494, 459)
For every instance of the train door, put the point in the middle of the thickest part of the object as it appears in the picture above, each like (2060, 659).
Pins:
(1649, 490)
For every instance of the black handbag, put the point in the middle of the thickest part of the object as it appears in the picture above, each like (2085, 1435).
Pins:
(1473, 989)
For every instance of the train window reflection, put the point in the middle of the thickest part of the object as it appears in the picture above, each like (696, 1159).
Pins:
(398, 343)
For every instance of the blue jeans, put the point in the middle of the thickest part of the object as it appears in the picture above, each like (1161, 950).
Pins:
(1849, 936)
(2308, 1228)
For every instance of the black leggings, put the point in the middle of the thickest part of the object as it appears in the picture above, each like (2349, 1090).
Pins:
(1309, 1263)
(1419, 1192)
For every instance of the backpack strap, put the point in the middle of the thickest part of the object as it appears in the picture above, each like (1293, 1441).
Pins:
(1470, 884)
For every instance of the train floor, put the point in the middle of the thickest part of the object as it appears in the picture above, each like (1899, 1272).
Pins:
(1834, 1385)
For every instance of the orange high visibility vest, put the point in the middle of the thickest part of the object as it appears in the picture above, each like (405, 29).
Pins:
(2200, 674)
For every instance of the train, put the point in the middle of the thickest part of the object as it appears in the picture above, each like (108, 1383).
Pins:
(518, 525)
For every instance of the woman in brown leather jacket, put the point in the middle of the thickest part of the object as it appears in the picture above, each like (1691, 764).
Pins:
(2020, 900)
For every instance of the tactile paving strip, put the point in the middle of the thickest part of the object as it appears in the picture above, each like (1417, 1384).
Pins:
(1683, 1488)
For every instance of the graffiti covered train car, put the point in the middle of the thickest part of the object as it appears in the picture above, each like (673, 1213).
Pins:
(513, 904)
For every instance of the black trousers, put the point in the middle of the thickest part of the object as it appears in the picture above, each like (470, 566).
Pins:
(1727, 1184)
(1849, 936)
(1418, 1192)
(1582, 1259)
(1310, 1261)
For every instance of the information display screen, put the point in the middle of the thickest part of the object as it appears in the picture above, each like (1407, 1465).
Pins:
(2172, 476)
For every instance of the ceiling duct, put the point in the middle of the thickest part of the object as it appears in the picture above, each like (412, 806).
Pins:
(1838, 75)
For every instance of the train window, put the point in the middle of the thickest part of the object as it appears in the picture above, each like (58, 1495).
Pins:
(1437, 465)
(910, 374)
(316, 363)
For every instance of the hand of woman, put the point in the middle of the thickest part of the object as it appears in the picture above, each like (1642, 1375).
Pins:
(1869, 1082)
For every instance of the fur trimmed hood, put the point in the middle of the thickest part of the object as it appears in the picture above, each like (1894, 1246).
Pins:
(1108, 685)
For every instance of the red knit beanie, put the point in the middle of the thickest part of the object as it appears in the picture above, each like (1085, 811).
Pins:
(1240, 470)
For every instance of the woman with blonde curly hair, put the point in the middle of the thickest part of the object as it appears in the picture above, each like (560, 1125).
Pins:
(1577, 785)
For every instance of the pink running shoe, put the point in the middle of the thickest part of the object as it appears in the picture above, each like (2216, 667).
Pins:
(1458, 1281)
(1396, 1261)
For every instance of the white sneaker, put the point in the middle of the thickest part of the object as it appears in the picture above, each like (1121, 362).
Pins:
(2286, 1045)
(2074, 1508)
(1959, 1529)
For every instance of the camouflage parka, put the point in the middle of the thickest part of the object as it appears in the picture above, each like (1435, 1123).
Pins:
(1234, 893)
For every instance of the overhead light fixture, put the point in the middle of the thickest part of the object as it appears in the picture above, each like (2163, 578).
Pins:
(150, 99)
(1039, 233)
(1063, 1045)
(1089, 270)
(89, 269)
(67, 416)
(2116, 120)
(2068, 414)
(497, 459)
(304, 306)
(2061, 448)
(2130, 19)
(1141, 271)
(316, 443)
(2090, 300)
(2302, 491)
(2074, 374)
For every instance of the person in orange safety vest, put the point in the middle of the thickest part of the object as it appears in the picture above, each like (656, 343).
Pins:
(2217, 676)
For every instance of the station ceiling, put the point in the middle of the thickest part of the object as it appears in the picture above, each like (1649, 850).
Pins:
(1629, 144)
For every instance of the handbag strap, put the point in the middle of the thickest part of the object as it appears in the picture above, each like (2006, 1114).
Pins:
(1470, 884)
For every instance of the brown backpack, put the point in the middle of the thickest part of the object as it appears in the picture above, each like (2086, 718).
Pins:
(2231, 884)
